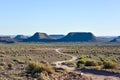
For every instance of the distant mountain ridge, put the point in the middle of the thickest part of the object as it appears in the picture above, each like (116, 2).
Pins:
(70, 37)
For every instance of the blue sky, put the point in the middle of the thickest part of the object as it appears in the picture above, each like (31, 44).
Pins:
(101, 17)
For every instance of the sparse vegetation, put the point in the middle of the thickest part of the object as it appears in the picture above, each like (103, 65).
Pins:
(1, 68)
(35, 67)
(10, 66)
(104, 57)
(91, 63)
(2, 63)
(29, 61)
(110, 65)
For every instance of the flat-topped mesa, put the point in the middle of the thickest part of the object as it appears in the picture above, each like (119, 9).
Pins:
(38, 36)
(79, 37)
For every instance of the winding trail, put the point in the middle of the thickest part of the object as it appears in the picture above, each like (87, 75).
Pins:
(59, 64)
(95, 75)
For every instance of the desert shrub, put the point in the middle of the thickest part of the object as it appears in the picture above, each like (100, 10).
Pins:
(2, 63)
(36, 67)
(82, 57)
(1, 78)
(1, 68)
(44, 62)
(30, 59)
(91, 63)
(18, 61)
(114, 60)
(15, 60)
(109, 65)
(80, 63)
(90, 56)
(100, 63)
(10, 66)
(1, 55)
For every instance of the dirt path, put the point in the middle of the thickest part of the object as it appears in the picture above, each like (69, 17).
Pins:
(95, 75)
(60, 64)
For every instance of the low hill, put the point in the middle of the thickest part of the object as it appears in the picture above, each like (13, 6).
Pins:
(6, 39)
(114, 40)
(117, 39)
(57, 36)
(105, 38)
(38, 36)
(20, 37)
(78, 37)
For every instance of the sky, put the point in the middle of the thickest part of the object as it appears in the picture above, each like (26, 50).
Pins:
(101, 17)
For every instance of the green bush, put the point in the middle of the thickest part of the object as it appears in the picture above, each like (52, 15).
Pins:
(1, 78)
(109, 65)
(36, 67)
(81, 62)
(91, 63)
(100, 63)
(2, 63)
(1, 68)
(10, 66)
